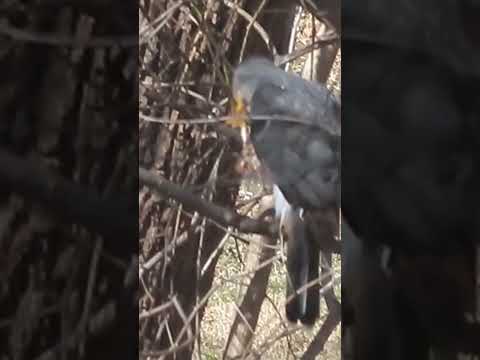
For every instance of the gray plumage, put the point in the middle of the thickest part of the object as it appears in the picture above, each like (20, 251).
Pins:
(301, 144)
(295, 129)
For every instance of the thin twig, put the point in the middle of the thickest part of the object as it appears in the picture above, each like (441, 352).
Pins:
(328, 39)
(249, 27)
(318, 343)
(256, 25)
(150, 30)
(92, 279)
(220, 119)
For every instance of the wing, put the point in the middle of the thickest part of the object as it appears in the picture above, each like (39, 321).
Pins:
(303, 155)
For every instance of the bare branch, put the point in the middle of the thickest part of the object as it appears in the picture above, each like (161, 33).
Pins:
(225, 217)
(318, 343)
(243, 328)
(329, 39)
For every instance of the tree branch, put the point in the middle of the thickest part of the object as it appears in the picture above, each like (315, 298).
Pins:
(318, 343)
(223, 216)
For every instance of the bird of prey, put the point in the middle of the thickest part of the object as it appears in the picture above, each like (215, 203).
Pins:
(295, 130)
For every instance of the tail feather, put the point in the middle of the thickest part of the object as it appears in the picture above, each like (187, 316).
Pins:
(313, 294)
(302, 267)
(303, 257)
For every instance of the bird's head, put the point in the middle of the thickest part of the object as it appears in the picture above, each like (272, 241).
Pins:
(248, 76)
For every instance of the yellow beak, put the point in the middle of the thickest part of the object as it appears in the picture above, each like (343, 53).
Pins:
(239, 117)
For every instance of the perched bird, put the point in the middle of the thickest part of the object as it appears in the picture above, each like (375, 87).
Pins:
(295, 130)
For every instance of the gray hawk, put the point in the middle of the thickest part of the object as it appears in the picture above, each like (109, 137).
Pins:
(295, 130)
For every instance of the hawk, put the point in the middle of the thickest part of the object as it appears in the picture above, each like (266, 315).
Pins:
(295, 130)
